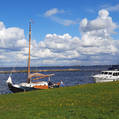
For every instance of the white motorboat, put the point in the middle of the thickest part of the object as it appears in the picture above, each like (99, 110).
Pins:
(107, 76)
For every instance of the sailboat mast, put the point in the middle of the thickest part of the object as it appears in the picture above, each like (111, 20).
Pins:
(28, 79)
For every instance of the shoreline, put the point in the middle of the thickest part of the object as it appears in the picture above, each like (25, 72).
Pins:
(47, 70)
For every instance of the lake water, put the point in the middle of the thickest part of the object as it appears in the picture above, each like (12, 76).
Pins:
(70, 78)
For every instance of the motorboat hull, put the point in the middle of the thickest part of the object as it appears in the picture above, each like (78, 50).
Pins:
(102, 80)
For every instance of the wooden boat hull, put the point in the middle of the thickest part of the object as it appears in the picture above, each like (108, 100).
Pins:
(23, 89)
(19, 89)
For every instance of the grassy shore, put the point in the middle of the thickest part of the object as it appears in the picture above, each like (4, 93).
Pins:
(90, 101)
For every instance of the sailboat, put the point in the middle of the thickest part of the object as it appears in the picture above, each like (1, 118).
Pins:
(29, 84)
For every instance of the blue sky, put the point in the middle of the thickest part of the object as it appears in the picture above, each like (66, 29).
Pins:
(17, 13)
(66, 19)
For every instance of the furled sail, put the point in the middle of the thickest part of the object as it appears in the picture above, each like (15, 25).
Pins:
(39, 76)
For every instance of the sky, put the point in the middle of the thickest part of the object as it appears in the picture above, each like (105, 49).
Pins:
(64, 32)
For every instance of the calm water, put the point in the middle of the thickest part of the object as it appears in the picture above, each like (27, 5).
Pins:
(68, 77)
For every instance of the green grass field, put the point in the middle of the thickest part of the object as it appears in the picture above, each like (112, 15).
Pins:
(90, 101)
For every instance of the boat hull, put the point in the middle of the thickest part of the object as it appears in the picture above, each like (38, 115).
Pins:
(100, 80)
(15, 89)
(19, 89)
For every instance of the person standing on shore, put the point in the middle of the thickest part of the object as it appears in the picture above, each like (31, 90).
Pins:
(61, 83)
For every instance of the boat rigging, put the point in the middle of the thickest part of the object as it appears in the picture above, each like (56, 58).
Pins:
(29, 84)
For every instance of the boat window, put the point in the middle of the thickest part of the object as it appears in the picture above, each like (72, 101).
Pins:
(105, 72)
(102, 73)
(110, 73)
(115, 74)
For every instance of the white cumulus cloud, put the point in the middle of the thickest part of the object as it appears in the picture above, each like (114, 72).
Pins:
(12, 42)
(11, 37)
(97, 36)
(95, 46)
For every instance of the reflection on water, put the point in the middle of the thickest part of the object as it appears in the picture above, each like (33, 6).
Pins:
(70, 78)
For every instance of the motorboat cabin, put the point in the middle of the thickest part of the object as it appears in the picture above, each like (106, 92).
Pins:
(107, 76)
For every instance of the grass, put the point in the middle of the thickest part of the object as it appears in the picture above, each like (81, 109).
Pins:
(90, 101)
